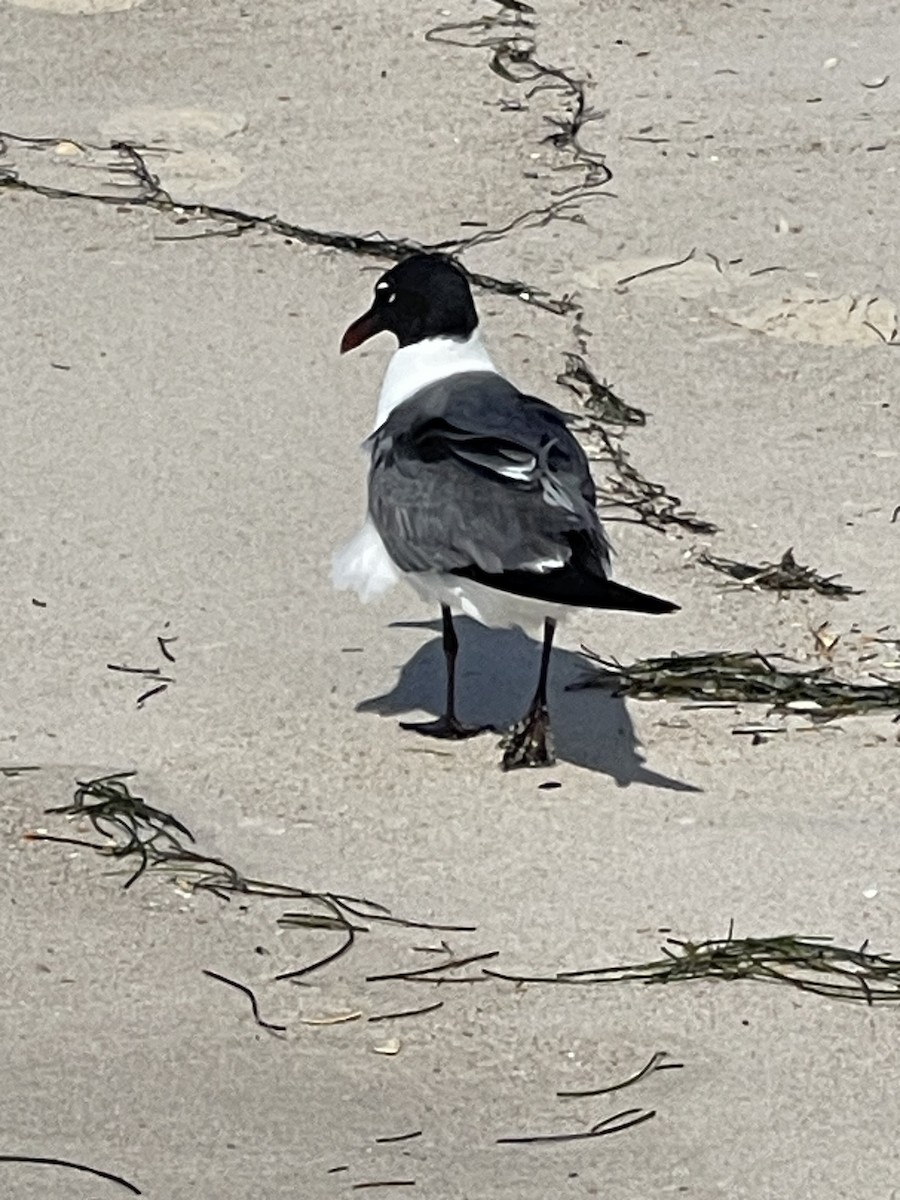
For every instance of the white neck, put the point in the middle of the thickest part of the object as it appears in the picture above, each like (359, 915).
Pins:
(414, 367)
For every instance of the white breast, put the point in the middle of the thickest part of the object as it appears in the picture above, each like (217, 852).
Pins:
(414, 367)
(363, 565)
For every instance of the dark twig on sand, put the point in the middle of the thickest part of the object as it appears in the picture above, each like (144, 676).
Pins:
(651, 503)
(254, 1006)
(511, 37)
(72, 1166)
(787, 575)
(740, 677)
(398, 1137)
(130, 827)
(160, 681)
(403, 1013)
(666, 266)
(151, 692)
(164, 643)
(598, 398)
(424, 972)
(627, 1119)
(657, 1063)
(147, 192)
(326, 960)
(809, 964)
(382, 1183)
(146, 672)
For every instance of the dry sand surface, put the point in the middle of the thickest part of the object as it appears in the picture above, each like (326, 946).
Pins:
(181, 457)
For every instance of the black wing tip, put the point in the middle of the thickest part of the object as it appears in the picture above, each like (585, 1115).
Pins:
(569, 586)
(617, 596)
(661, 607)
(656, 604)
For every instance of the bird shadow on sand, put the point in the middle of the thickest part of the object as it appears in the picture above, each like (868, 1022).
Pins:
(496, 676)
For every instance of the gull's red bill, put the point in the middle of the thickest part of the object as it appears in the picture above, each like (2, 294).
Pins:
(360, 331)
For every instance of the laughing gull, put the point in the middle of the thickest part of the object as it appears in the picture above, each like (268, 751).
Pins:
(480, 497)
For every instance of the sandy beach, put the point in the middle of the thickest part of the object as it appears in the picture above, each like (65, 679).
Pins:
(181, 460)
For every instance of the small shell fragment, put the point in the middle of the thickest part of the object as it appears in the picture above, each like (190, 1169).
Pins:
(390, 1046)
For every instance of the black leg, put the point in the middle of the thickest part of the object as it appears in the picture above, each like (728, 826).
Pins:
(529, 743)
(447, 726)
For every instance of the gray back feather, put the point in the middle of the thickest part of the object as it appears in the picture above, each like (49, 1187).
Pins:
(471, 472)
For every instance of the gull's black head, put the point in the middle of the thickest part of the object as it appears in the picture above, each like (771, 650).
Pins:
(425, 296)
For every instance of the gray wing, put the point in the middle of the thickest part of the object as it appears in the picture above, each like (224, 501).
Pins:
(470, 472)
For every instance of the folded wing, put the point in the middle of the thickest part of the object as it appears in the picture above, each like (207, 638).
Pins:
(472, 477)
